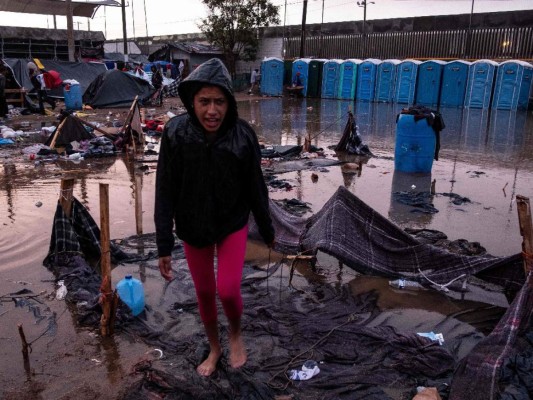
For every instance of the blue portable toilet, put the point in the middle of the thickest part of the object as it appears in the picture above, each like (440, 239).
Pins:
(406, 73)
(330, 78)
(513, 85)
(386, 80)
(428, 82)
(480, 83)
(302, 66)
(272, 70)
(366, 79)
(348, 78)
(454, 79)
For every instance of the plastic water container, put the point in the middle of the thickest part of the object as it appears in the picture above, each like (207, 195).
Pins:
(415, 145)
(131, 292)
(72, 94)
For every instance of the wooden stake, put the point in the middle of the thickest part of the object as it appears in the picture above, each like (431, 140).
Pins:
(105, 261)
(526, 230)
(56, 134)
(138, 203)
(25, 345)
(66, 196)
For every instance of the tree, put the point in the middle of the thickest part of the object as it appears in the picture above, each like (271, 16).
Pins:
(233, 26)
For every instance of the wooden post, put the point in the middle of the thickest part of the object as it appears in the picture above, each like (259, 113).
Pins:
(106, 297)
(25, 346)
(526, 230)
(65, 197)
(138, 203)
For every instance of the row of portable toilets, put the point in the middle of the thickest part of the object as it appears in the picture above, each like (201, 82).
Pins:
(478, 84)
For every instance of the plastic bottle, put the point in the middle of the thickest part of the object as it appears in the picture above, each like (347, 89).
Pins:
(131, 292)
(405, 284)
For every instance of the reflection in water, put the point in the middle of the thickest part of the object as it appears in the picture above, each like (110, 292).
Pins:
(417, 187)
(9, 174)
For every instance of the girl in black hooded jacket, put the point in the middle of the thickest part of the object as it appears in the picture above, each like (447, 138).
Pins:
(209, 179)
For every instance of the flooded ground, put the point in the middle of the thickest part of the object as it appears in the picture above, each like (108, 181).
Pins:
(485, 156)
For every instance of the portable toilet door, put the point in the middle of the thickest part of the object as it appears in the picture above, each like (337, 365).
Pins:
(302, 66)
(480, 83)
(272, 77)
(385, 80)
(404, 92)
(315, 78)
(454, 80)
(330, 79)
(513, 85)
(366, 80)
(348, 78)
(428, 82)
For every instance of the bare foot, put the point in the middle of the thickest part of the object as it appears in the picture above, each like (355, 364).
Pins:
(209, 365)
(237, 355)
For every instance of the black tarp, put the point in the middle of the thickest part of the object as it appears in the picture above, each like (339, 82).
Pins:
(360, 352)
(83, 72)
(116, 89)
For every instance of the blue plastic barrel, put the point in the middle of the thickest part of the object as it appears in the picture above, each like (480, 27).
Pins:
(72, 94)
(415, 145)
(131, 292)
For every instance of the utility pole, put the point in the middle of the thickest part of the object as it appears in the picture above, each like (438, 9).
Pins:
(469, 35)
(124, 34)
(70, 31)
(364, 3)
(302, 39)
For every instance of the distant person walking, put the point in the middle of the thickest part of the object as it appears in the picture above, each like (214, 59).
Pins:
(254, 80)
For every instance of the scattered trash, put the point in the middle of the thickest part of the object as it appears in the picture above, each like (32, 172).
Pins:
(61, 291)
(157, 353)
(38, 204)
(309, 369)
(413, 187)
(436, 337)
(405, 284)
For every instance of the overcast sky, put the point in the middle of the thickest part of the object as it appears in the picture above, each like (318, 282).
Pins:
(165, 17)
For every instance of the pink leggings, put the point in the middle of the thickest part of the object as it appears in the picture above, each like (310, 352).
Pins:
(230, 254)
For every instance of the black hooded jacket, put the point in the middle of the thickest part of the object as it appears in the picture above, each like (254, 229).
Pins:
(208, 188)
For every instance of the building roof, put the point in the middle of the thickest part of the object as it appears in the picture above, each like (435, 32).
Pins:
(17, 32)
(55, 7)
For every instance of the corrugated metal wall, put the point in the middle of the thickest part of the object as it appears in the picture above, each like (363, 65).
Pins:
(490, 43)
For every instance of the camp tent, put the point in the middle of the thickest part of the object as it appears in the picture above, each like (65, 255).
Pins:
(116, 89)
(83, 72)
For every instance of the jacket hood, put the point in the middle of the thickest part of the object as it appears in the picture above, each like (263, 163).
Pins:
(211, 72)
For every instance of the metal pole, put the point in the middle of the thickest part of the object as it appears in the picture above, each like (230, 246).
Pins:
(70, 31)
(469, 35)
(302, 40)
(124, 33)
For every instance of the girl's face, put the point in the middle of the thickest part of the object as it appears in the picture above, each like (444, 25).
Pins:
(210, 107)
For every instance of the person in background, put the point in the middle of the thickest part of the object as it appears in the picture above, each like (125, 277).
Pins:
(3, 103)
(157, 83)
(139, 70)
(169, 71)
(297, 80)
(208, 181)
(37, 80)
(253, 80)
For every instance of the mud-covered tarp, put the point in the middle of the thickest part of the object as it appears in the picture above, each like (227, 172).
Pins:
(359, 354)
(115, 88)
